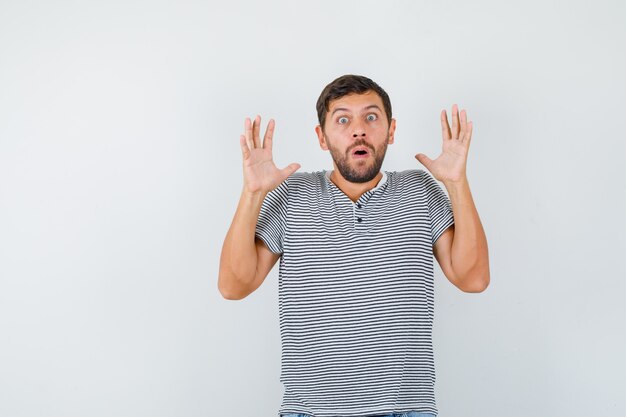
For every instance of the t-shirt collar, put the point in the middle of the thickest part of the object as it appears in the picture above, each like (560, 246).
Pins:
(382, 181)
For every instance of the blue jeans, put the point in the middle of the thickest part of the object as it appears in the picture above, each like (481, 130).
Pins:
(407, 414)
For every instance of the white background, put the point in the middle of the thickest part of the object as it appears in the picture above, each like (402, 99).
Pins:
(120, 171)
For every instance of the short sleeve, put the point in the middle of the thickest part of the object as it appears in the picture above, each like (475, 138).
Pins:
(439, 207)
(270, 227)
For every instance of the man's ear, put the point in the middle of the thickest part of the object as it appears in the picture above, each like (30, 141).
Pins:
(392, 130)
(321, 137)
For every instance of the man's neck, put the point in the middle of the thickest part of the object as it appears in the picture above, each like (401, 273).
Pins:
(352, 189)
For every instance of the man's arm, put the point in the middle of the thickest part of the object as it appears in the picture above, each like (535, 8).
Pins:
(246, 261)
(461, 250)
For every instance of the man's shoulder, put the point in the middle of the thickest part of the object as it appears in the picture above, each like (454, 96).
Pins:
(408, 176)
(303, 180)
(413, 172)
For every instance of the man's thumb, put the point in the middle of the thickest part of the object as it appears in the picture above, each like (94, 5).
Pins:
(290, 169)
(424, 160)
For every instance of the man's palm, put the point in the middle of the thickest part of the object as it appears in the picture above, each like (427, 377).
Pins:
(259, 171)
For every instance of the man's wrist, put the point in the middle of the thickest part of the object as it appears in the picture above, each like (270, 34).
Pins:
(456, 184)
(253, 197)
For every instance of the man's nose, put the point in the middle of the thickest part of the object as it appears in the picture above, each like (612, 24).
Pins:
(358, 131)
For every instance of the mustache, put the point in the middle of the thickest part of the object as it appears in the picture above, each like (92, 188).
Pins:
(362, 143)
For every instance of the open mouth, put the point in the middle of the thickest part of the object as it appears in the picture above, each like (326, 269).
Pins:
(360, 152)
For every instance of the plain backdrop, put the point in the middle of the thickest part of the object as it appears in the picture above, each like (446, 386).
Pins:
(120, 171)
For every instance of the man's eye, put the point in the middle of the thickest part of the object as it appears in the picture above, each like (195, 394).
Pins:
(371, 117)
(343, 120)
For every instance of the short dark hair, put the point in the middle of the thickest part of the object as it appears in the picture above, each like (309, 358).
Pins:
(349, 84)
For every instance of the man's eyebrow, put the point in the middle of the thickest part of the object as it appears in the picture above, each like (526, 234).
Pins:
(371, 106)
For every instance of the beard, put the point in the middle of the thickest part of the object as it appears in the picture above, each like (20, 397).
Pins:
(358, 173)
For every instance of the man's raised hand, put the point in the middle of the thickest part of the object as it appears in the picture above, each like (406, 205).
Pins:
(450, 166)
(260, 174)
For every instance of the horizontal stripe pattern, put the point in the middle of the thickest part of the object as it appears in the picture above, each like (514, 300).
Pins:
(356, 298)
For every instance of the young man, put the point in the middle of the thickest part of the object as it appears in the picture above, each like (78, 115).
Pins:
(356, 245)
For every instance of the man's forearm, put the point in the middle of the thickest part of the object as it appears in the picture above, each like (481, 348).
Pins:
(469, 253)
(238, 261)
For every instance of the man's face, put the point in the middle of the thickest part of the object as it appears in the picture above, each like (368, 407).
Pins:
(356, 133)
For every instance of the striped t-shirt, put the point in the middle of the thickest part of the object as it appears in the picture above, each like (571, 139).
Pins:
(356, 292)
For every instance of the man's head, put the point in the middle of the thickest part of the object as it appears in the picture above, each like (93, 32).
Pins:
(349, 84)
(355, 116)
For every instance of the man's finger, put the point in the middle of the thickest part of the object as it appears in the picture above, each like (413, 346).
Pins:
(455, 121)
(256, 131)
(424, 160)
(245, 151)
(269, 135)
(463, 131)
(248, 132)
(445, 127)
(289, 169)
(468, 135)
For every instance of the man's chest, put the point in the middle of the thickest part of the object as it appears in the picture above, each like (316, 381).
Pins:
(323, 230)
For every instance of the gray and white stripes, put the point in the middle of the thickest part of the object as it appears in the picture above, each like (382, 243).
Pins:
(356, 293)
